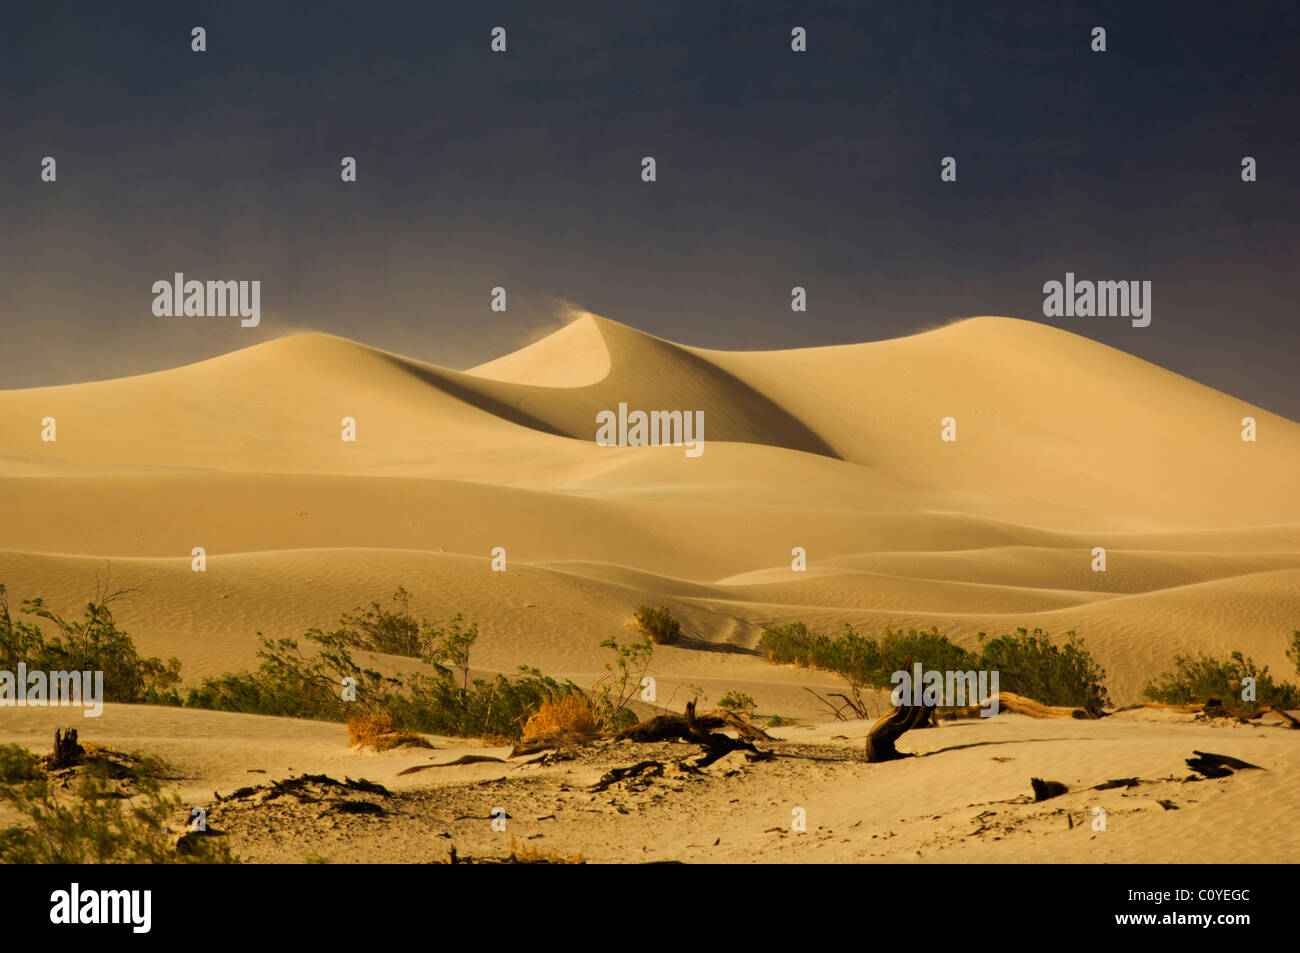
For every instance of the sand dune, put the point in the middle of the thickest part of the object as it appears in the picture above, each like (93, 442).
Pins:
(1063, 445)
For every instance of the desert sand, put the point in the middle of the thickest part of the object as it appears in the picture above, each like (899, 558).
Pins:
(1062, 445)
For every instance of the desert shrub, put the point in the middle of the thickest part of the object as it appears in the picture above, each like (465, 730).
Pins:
(96, 824)
(624, 674)
(376, 730)
(18, 764)
(932, 650)
(390, 631)
(528, 854)
(570, 713)
(487, 708)
(92, 643)
(657, 625)
(737, 701)
(1030, 664)
(1027, 663)
(291, 683)
(862, 660)
(791, 644)
(1195, 680)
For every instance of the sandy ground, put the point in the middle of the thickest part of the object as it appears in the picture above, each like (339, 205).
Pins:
(964, 798)
(1063, 445)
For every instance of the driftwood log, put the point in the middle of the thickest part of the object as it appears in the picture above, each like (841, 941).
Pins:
(1009, 701)
(672, 727)
(715, 745)
(885, 732)
(1214, 708)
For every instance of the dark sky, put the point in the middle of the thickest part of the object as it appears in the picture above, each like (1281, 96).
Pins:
(522, 169)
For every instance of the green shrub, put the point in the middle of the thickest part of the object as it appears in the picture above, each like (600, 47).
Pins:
(1030, 664)
(929, 648)
(331, 685)
(623, 678)
(389, 631)
(92, 643)
(737, 701)
(657, 625)
(863, 661)
(96, 824)
(18, 764)
(290, 684)
(1027, 663)
(1196, 680)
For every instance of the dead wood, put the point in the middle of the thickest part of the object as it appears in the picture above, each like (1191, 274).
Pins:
(649, 769)
(855, 705)
(1218, 765)
(1027, 706)
(1116, 783)
(67, 753)
(299, 788)
(716, 745)
(899, 720)
(360, 807)
(560, 738)
(669, 727)
(744, 728)
(1291, 721)
(1214, 708)
(1046, 790)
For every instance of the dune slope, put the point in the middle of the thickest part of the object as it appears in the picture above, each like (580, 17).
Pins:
(1063, 445)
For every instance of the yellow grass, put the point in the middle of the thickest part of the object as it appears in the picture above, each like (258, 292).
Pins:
(531, 855)
(377, 731)
(572, 713)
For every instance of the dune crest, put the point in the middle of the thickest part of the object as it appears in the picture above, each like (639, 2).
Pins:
(1063, 445)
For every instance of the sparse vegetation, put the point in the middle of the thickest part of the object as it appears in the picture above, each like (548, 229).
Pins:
(108, 810)
(623, 678)
(571, 714)
(657, 625)
(1201, 678)
(737, 702)
(18, 764)
(331, 685)
(529, 854)
(92, 643)
(1028, 663)
(377, 731)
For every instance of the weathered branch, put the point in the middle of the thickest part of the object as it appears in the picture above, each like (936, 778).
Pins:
(885, 732)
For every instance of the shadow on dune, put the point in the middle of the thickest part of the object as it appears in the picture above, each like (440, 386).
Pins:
(702, 645)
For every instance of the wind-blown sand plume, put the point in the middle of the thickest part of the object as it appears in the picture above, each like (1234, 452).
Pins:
(1063, 445)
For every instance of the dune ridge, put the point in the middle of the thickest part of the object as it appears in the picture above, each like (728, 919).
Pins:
(1062, 445)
